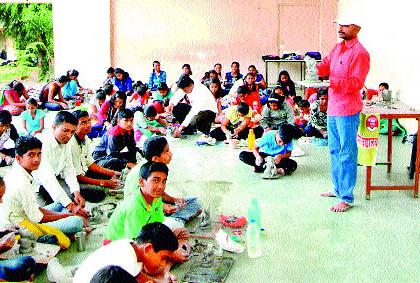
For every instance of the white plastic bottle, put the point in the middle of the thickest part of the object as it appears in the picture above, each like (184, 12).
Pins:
(253, 241)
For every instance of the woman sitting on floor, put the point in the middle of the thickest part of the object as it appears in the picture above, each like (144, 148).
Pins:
(12, 98)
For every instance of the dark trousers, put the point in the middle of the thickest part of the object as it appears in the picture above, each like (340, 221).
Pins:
(310, 131)
(203, 121)
(219, 135)
(181, 111)
(288, 165)
(114, 163)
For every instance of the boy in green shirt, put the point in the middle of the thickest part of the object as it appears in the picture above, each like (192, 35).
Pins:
(144, 208)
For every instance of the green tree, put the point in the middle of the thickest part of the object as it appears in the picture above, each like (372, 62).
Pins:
(31, 28)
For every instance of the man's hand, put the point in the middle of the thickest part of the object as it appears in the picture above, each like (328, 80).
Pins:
(112, 183)
(78, 199)
(169, 209)
(177, 133)
(77, 210)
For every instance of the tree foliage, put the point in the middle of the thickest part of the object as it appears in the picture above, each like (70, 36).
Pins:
(31, 28)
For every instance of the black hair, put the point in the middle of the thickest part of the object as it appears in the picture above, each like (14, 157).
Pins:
(275, 98)
(304, 103)
(159, 235)
(149, 167)
(206, 77)
(155, 62)
(141, 90)
(184, 81)
(121, 71)
(80, 114)
(112, 274)
(125, 114)
(63, 79)
(243, 89)
(162, 86)
(25, 143)
(243, 108)
(118, 94)
(217, 64)
(321, 92)
(26, 270)
(285, 92)
(286, 132)
(108, 88)
(297, 99)
(136, 84)
(65, 117)
(385, 85)
(234, 62)
(252, 66)
(154, 146)
(189, 67)
(110, 70)
(100, 94)
(5, 117)
(32, 101)
(16, 86)
(219, 92)
(72, 73)
(284, 73)
(150, 111)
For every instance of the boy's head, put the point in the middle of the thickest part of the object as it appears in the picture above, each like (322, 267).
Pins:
(280, 91)
(284, 134)
(108, 89)
(157, 243)
(28, 152)
(242, 90)
(5, 120)
(63, 80)
(250, 78)
(150, 112)
(156, 149)
(64, 126)
(242, 109)
(112, 274)
(323, 96)
(141, 89)
(110, 72)
(383, 86)
(163, 88)
(186, 83)
(84, 125)
(153, 176)
(125, 119)
(304, 106)
(275, 101)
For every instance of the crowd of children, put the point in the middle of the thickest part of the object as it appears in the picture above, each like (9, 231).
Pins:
(126, 116)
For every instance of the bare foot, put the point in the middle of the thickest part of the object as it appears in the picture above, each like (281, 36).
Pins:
(327, 194)
(340, 207)
(281, 172)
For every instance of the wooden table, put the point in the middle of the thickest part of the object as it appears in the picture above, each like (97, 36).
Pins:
(401, 111)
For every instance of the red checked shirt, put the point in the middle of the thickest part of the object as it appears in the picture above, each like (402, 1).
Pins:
(347, 67)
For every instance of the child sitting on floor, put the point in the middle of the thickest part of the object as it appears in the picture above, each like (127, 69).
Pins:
(317, 125)
(147, 256)
(33, 118)
(148, 122)
(273, 143)
(276, 112)
(140, 97)
(304, 111)
(7, 132)
(181, 210)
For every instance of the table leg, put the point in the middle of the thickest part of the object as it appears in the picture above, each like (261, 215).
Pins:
(266, 72)
(416, 176)
(389, 145)
(368, 181)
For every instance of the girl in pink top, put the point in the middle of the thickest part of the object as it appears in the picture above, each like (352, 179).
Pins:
(12, 98)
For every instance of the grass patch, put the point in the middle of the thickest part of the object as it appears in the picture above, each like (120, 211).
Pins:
(9, 73)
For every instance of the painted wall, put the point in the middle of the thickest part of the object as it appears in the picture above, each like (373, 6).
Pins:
(205, 32)
(389, 34)
(82, 39)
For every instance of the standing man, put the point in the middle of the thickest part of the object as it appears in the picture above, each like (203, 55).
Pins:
(347, 67)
